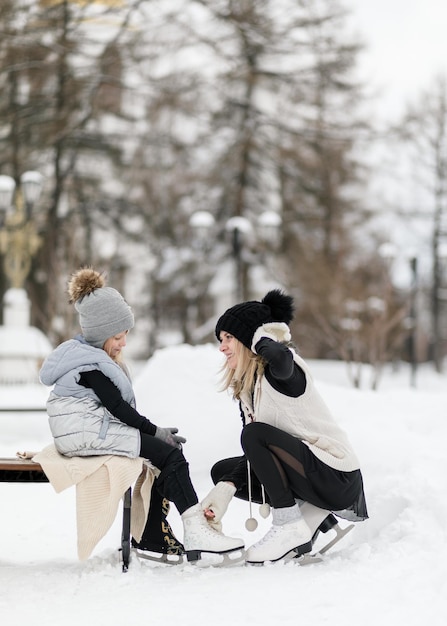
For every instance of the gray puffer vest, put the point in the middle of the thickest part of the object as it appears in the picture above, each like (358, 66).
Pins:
(79, 423)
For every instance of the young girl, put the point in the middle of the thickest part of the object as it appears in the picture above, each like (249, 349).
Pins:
(92, 409)
(293, 446)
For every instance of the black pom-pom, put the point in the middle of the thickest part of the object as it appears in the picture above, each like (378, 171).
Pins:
(280, 304)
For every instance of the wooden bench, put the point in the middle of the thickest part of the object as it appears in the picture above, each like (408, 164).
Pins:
(15, 470)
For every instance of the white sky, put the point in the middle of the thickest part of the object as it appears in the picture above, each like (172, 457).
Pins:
(406, 47)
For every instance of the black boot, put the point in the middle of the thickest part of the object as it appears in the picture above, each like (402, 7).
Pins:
(158, 535)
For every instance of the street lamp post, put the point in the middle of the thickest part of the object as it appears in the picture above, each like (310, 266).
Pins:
(413, 320)
(388, 253)
(246, 238)
(439, 298)
(240, 229)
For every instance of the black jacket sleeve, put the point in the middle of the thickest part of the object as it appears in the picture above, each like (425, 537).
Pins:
(281, 371)
(111, 398)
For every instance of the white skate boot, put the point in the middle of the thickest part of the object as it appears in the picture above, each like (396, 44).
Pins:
(321, 520)
(199, 536)
(315, 517)
(280, 540)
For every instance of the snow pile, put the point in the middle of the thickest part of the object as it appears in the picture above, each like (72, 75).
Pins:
(389, 570)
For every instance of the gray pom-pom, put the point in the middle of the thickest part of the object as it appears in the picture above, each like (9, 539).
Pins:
(264, 510)
(251, 524)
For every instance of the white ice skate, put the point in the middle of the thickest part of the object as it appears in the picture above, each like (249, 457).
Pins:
(279, 541)
(322, 521)
(200, 537)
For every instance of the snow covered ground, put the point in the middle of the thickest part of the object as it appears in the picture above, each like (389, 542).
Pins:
(390, 570)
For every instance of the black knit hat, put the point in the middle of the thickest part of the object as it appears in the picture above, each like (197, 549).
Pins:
(242, 320)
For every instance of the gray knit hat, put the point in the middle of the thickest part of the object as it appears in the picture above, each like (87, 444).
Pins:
(103, 312)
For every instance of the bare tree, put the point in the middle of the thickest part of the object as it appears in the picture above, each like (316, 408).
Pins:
(284, 110)
(365, 322)
(235, 107)
(59, 80)
(424, 129)
(320, 177)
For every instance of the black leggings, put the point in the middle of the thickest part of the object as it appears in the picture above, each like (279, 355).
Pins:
(174, 482)
(289, 470)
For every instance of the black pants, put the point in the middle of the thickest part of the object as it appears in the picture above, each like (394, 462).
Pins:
(289, 470)
(174, 482)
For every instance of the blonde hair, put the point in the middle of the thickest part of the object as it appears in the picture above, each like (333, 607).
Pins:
(249, 367)
(118, 359)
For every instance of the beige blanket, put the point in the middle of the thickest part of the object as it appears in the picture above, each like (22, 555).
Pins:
(101, 482)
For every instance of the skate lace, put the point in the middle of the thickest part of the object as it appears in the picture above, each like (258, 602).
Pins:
(274, 530)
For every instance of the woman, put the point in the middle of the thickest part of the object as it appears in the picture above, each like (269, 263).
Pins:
(92, 411)
(293, 446)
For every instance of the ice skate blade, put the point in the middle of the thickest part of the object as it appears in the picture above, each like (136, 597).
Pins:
(308, 559)
(155, 557)
(340, 533)
(216, 559)
(296, 552)
(291, 557)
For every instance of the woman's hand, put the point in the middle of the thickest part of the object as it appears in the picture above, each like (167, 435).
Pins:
(216, 502)
(278, 331)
